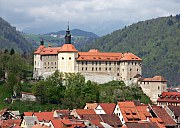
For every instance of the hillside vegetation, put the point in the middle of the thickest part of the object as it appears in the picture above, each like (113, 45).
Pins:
(156, 41)
(10, 38)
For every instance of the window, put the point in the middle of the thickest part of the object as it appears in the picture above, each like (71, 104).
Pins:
(109, 63)
(118, 63)
(96, 63)
(86, 68)
(34, 62)
(117, 74)
(92, 69)
(82, 68)
(82, 63)
(106, 68)
(55, 63)
(100, 69)
(114, 63)
(48, 63)
(92, 63)
(51, 63)
(69, 58)
(130, 78)
(158, 87)
(118, 69)
(132, 63)
(99, 63)
(109, 68)
(86, 62)
(62, 58)
(137, 69)
(123, 70)
(106, 63)
(96, 69)
(130, 69)
(135, 63)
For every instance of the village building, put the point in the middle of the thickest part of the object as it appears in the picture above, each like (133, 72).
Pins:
(153, 87)
(96, 66)
(169, 98)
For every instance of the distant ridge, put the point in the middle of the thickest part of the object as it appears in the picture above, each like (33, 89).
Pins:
(156, 41)
(76, 32)
(10, 38)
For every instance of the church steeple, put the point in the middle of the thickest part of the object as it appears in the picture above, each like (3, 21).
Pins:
(68, 36)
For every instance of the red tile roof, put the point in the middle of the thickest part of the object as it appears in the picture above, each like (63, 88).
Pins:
(154, 79)
(85, 111)
(170, 97)
(143, 113)
(72, 123)
(175, 110)
(161, 113)
(92, 55)
(50, 51)
(158, 121)
(28, 113)
(141, 125)
(108, 107)
(57, 123)
(91, 105)
(44, 116)
(40, 48)
(40, 126)
(68, 48)
(129, 111)
(111, 119)
(10, 122)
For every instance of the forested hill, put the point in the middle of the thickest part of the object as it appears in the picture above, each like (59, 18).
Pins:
(156, 41)
(76, 32)
(10, 38)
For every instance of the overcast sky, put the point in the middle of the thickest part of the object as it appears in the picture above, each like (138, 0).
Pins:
(98, 16)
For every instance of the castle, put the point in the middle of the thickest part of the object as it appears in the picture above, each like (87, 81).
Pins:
(96, 66)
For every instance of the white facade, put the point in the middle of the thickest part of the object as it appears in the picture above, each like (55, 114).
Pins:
(118, 112)
(99, 110)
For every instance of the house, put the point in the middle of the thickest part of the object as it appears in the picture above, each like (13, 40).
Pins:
(153, 87)
(26, 96)
(29, 121)
(79, 113)
(169, 98)
(62, 114)
(90, 105)
(105, 108)
(44, 116)
(127, 112)
(10, 123)
(158, 112)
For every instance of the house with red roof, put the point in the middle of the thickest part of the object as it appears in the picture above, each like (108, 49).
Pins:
(153, 87)
(161, 117)
(169, 98)
(96, 66)
(105, 108)
(79, 113)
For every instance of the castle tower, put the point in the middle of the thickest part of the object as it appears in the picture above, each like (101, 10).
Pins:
(67, 55)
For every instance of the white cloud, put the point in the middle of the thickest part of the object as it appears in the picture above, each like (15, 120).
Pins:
(28, 13)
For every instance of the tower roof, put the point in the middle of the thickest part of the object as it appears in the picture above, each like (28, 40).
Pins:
(68, 48)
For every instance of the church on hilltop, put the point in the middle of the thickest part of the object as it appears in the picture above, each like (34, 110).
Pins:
(96, 66)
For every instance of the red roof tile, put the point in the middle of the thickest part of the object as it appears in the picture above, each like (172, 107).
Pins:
(68, 48)
(91, 105)
(175, 110)
(108, 107)
(170, 97)
(40, 48)
(154, 79)
(50, 51)
(85, 111)
(141, 125)
(161, 113)
(44, 116)
(57, 123)
(10, 122)
(28, 113)
(40, 126)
